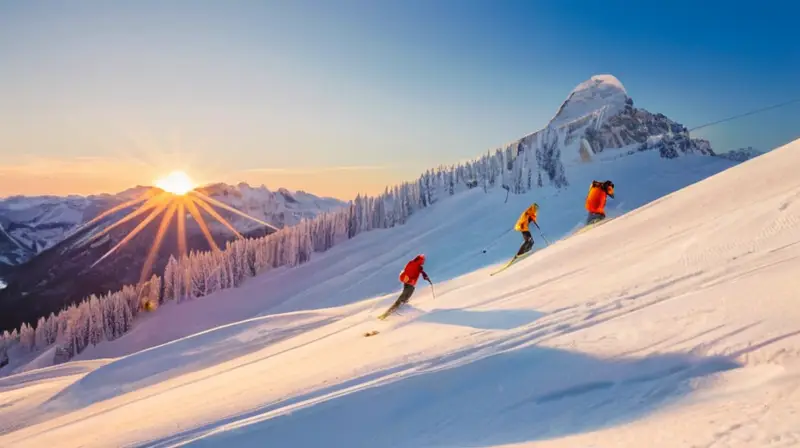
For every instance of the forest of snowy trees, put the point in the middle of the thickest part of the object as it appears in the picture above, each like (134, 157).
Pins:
(519, 167)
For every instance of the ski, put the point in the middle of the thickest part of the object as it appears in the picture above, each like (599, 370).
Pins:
(515, 259)
(592, 225)
(392, 310)
(387, 313)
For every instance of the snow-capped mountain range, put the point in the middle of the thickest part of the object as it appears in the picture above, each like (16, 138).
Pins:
(29, 225)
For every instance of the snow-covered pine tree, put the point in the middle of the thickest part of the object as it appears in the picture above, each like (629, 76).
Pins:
(66, 337)
(51, 328)
(109, 317)
(40, 336)
(96, 321)
(124, 316)
(82, 318)
(154, 290)
(250, 257)
(132, 297)
(27, 337)
(170, 276)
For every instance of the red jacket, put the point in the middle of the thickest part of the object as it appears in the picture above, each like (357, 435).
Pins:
(412, 271)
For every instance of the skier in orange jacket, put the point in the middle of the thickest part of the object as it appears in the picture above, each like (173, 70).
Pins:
(409, 276)
(528, 216)
(596, 200)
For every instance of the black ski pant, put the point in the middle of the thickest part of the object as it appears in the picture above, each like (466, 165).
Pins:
(594, 217)
(408, 290)
(527, 244)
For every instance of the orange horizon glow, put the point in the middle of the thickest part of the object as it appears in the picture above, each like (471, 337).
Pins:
(92, 176)
(177, 182)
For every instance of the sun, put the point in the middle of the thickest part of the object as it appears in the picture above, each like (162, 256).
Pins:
(177, 182)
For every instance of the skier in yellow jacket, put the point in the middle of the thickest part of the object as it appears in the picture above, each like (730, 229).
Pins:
(528, 216)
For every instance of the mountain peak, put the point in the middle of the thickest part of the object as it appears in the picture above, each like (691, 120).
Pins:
(600, 94)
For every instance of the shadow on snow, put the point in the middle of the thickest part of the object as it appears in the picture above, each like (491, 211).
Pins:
(186, 355)
(485, 319)
(522, 394)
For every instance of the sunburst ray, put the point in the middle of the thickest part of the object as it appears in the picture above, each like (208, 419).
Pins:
(218, 217)
(150, 204)
(133, 232)
(162, 231)
(201, 222)
(231, 209)
(145, 196)
(175, 202)
(181, 229)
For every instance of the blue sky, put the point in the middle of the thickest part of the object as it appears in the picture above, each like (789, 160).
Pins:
(337, 97)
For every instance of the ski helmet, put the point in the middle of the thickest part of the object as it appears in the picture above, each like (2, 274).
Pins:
(608, 186)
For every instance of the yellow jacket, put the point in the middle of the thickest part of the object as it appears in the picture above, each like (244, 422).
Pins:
(526, 217)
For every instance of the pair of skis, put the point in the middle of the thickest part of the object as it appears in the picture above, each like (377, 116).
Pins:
(383, 316)
(517, 258)
(394, 308)
(592, 225)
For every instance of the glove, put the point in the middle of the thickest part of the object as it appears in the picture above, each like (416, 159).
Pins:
(425, 276)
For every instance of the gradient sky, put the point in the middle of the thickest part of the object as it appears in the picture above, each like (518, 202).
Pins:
(340, 97)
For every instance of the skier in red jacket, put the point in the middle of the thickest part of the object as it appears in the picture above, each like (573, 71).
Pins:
(408, 277)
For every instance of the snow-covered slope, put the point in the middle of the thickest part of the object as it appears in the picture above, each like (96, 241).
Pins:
(29, 225)
(673, 325)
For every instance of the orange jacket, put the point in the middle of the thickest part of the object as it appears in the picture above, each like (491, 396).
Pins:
(525, 218)
(412, 271)
(596, 199)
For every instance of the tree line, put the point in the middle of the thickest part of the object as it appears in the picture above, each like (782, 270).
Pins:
(519, 167)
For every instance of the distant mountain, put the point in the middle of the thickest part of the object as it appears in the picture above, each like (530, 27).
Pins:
(597, 116)
(29, 225)
(45, 259)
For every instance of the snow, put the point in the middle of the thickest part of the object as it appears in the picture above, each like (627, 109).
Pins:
(601, 94)
(675, 324)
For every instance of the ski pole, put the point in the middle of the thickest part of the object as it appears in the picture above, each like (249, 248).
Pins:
(543, 237)
(496, 240)
(433, 292)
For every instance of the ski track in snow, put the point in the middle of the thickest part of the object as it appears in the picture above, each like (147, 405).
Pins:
(673, 325)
